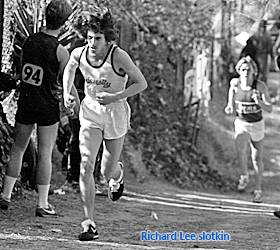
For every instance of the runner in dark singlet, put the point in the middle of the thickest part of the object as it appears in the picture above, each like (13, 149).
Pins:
(248, 97)
(43, 59)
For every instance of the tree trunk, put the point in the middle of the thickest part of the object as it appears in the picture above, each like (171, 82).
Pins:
(1, 24)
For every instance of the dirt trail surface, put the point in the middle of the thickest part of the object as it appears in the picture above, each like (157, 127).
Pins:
(157, 207)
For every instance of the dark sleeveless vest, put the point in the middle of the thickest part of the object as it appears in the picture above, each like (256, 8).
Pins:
(39, 87)
(246, 108)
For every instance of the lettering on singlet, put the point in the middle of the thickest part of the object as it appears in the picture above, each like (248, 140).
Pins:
(102, 82)
(247, 107)
(32, 74)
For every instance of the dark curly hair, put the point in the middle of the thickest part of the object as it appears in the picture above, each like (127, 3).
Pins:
(99, 20)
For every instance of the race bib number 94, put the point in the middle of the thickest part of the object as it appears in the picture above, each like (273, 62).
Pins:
(32, 74)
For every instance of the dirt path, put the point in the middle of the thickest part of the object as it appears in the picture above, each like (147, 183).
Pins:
(157, 207)
(250, 226)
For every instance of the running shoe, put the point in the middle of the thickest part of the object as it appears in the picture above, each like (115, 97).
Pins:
(277, 213)
(46, 212)
(70, 187)
(4, 204)
(101, 190)
(98, 190)
(101, 186)
(243, 182)
(90, 232)
(257, 196)
(115, 189)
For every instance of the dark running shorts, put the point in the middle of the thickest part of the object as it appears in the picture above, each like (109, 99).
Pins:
(41, 118)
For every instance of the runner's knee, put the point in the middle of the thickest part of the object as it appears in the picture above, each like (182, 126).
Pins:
(87, 165)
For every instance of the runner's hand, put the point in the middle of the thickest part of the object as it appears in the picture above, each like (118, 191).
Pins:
(229, 110)
(105, 98)
(69, 102)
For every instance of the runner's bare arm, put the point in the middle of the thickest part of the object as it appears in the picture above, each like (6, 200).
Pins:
(231, 96)
(124, 63)
(74, 92)
(264, 101)
(63, 57)
(69, 76)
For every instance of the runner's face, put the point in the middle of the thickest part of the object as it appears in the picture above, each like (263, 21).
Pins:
(96, 42)
(246, 71)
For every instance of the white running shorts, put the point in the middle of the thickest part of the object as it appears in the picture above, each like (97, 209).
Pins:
(255, 129)
(112, 119)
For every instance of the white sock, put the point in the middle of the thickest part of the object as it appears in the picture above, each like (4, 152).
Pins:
(85, 224)
(43, 192)
(9, 183)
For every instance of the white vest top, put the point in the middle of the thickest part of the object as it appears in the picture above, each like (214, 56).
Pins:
(101, 78)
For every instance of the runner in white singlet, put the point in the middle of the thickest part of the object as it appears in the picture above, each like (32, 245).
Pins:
(104, 112)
